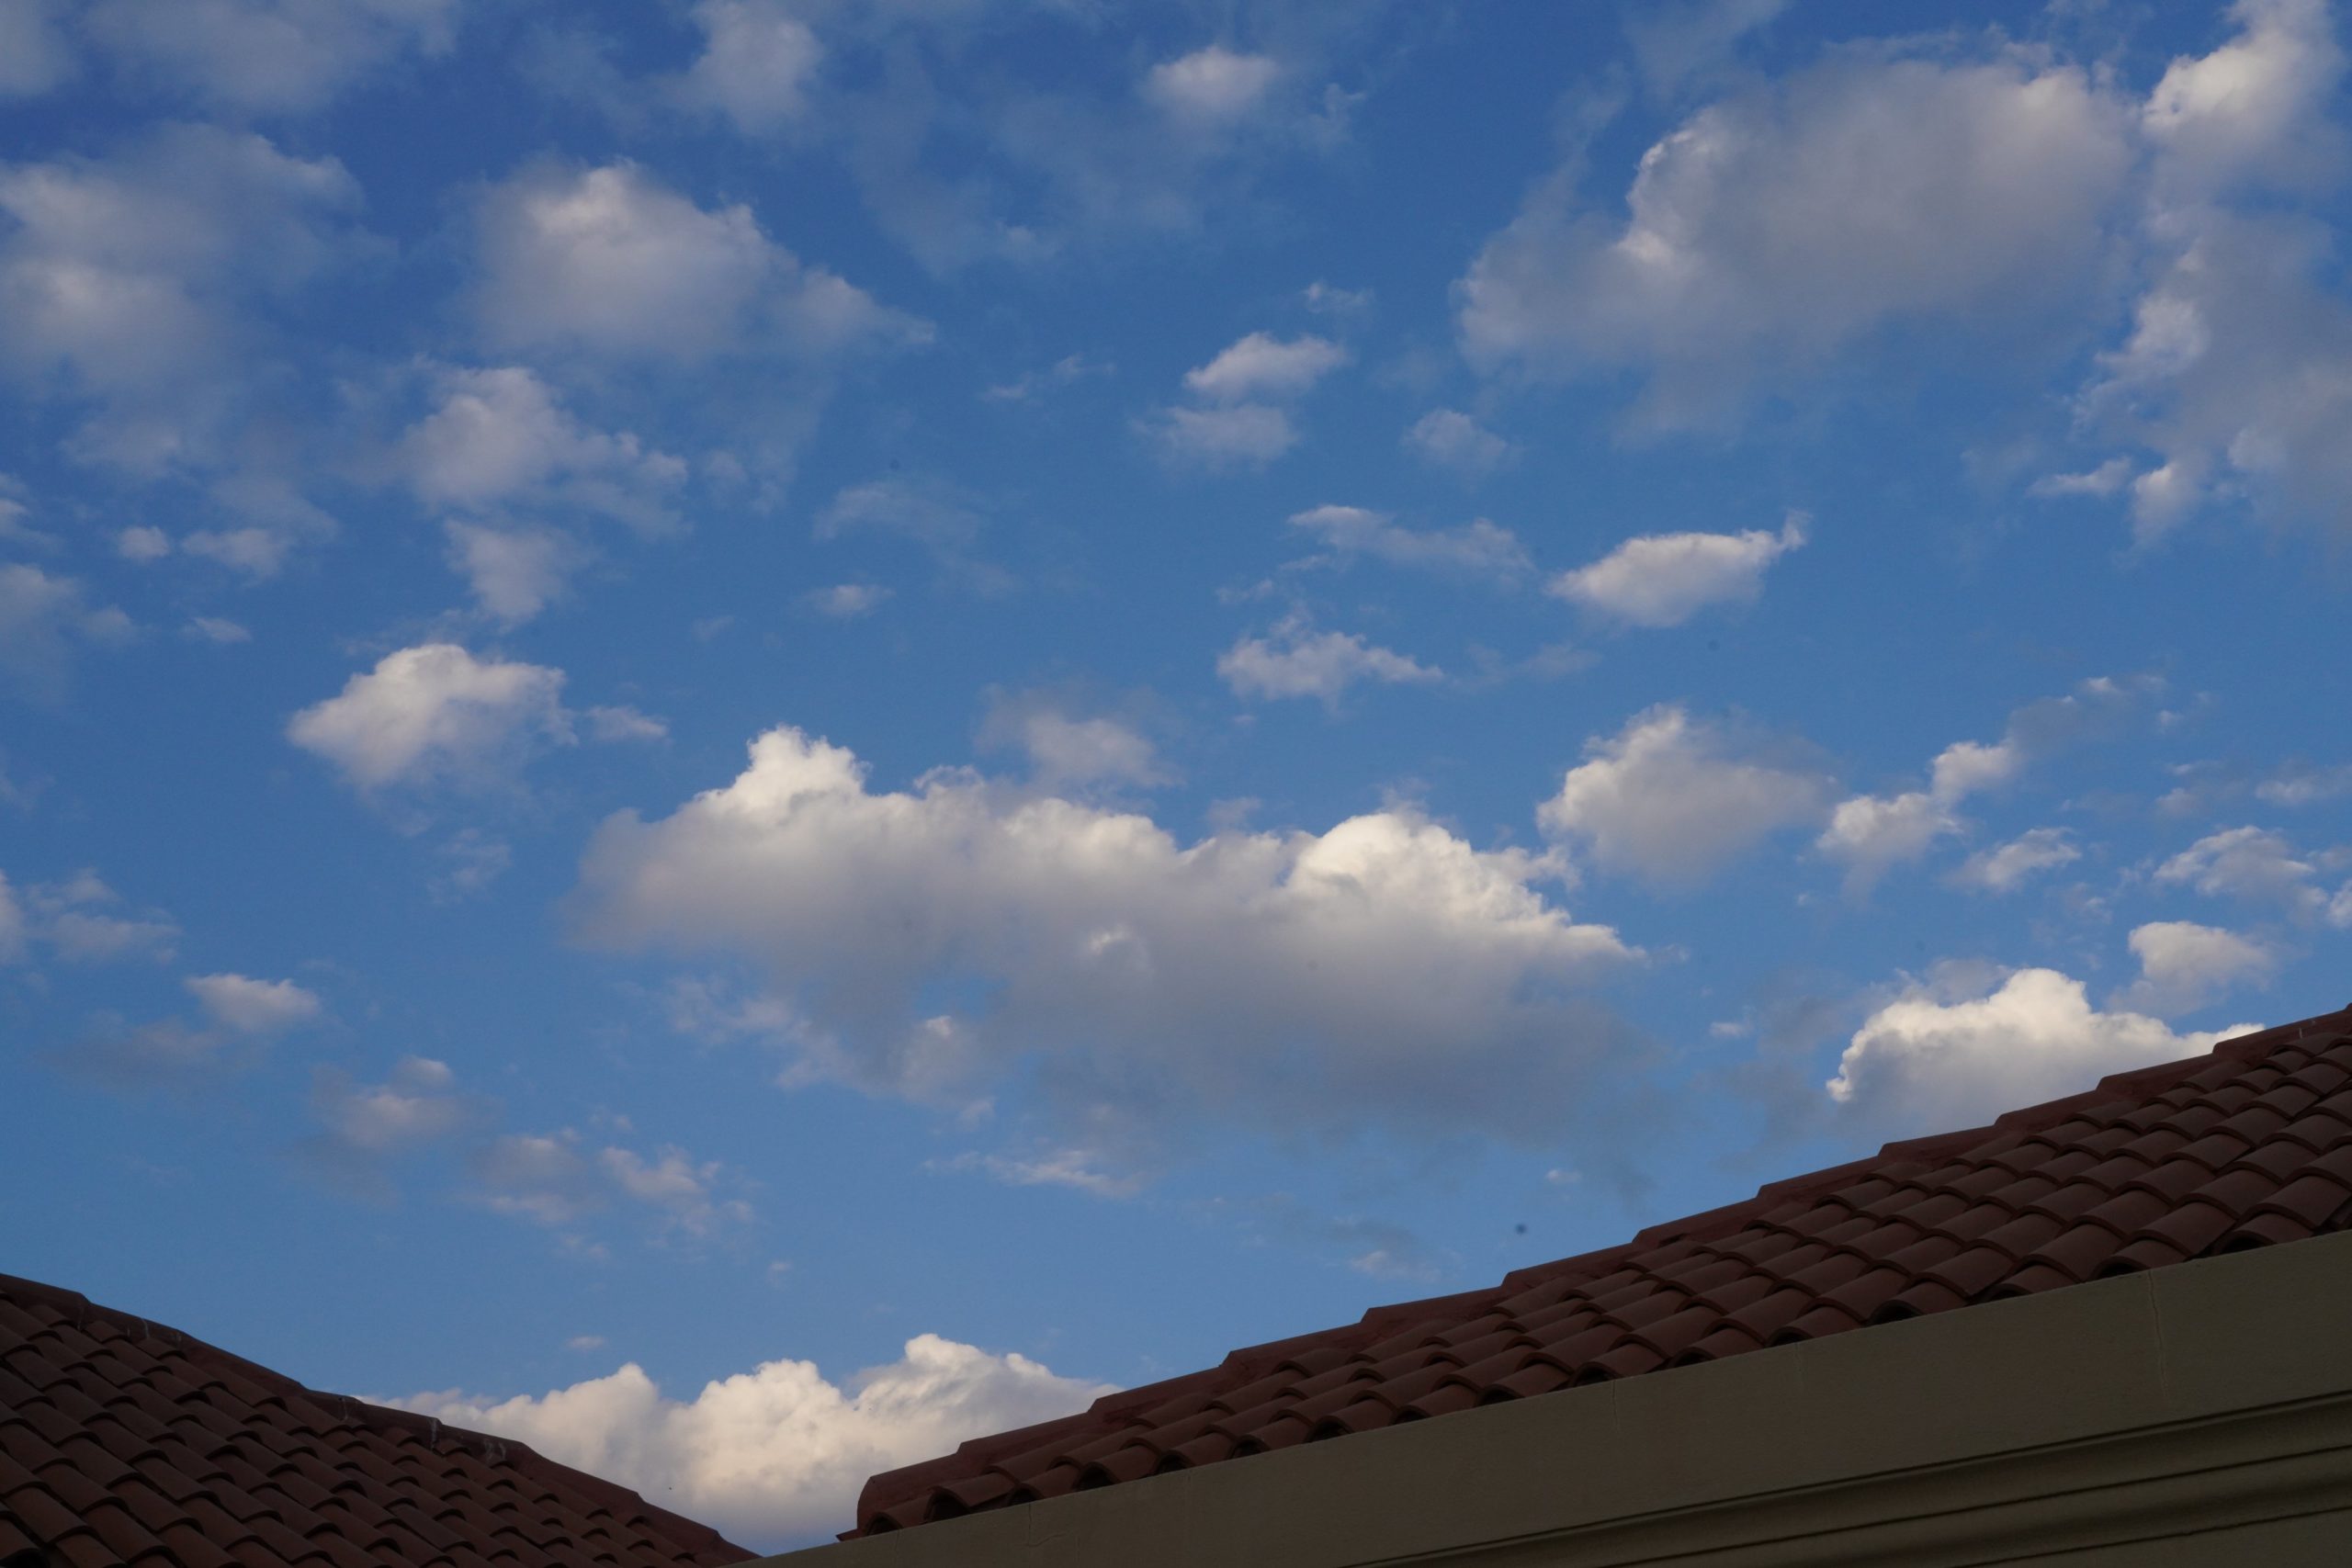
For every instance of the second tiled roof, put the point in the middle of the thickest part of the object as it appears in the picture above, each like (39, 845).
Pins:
(2250, 1146)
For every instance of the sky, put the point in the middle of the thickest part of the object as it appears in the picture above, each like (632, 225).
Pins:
(746, 735)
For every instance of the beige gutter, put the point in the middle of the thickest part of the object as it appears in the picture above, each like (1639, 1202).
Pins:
(2199, 1414)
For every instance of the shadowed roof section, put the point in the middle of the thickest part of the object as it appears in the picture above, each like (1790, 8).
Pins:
(124, 1444)
(2248, 1146)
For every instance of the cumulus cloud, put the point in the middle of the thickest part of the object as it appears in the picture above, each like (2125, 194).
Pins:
(1448, 438)
(43, 620)
(1804, 216)
(12, 924)
(1663, 580)
(364, 1129)
(129, 282)
(1210, 88)
(610, 261)
(513, 572)
(435, 713)
(239, 1019)
(1295, 661)
(1239, 417)
(34, 54)
(254, 1007)
(1262, 365)
(1064, 750)
(1478, 548)
(1931, 1059)
(268, 56)
(1240, 435)
(560, 1179)
(774, 1456)
(1672, 799)
(847, 600)
(930, 942)
(500, 436)
(2004, 868)
(2184, 965)
(756, 64)
(1870, 834)
(82, 920)
(2256, 866)
(2254, 108)
(2236, 369)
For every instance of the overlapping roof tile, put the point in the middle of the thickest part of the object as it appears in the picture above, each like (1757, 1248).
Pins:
(124, 1444)
(2248, 1146)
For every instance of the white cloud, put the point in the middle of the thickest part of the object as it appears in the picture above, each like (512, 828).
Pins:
(846, 601)
(216, 629)
(2004, 867)
(498, 436)
(1263, 365)
(1242, 434)
(142, 544)
(932, 514)
(1326, 299)
(434, 712)
(1077, 1169)
(475, 859)
(134, 277)
(1663, 580)
(514, 573)
(1210, 88)
(560, 1179)
(254, 1007)
(2184, 965)
(416, 1105)
(1295, 661)
(1480, 547)
(1675, 41)
(76, 920)
(1065, 751)
(271, 56)
(13, 924)
(756, 65)
(2238, 369)
(2106, 480)
(1672, 799)
(1929, 1061)
(1382, 971)
(2254, 108)
(774, 1456)
(1872, 834)
(1803, 217)
(610, 261)
(1449, 438)
(618, 724)
(43, 619)
(2256, 866)
(34, 55)
(2302, 784)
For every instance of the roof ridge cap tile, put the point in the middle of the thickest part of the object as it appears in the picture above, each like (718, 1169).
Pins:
(690, 1534)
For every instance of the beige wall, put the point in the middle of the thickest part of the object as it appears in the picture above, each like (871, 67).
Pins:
(2199, 1414)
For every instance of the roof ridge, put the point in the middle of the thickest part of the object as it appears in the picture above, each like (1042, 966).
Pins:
(687, 1533)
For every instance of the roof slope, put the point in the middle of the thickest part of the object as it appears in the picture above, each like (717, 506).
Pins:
(2249, 1146)
(123, 1442)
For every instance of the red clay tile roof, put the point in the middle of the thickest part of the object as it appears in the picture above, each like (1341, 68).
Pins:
(2249, 1146)
(126, 1443)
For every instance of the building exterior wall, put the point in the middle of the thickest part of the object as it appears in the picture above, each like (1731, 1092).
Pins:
(2197, 1414)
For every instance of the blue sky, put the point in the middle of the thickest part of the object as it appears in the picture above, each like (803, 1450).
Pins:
(747, 734)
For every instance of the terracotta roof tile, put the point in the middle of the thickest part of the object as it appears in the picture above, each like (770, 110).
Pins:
(2250, 1146)
(124, 1444)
